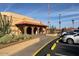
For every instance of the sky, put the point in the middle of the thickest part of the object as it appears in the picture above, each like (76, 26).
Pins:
(39, 11)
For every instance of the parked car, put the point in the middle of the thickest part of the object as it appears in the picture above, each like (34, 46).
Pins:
(77, 31)
(62, 34)
(66, 33)
(71, 38)
(69, 32)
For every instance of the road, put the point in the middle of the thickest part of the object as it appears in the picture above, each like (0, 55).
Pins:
(29, 51)
(64, 49)
(60, 49)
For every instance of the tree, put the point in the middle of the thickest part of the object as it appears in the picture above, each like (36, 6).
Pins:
(5, 24)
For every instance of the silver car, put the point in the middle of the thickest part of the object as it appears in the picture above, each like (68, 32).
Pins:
(71, 38)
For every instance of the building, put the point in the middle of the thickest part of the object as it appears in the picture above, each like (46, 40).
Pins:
(25, 25)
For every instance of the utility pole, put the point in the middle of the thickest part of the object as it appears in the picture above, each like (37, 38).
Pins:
(49, 12)
(73, 23)
(59, 21)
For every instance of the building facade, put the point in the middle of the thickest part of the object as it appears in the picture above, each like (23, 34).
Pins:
(25, 25)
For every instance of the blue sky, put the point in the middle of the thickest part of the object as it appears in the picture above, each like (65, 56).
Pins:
(39, 11)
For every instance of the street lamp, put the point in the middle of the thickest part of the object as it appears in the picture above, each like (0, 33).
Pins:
(73, 23)
(59, 21)
(49, 12)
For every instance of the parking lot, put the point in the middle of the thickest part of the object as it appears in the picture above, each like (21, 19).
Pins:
(55, 48)
(64, 49)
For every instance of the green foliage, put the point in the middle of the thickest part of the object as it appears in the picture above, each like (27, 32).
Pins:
(5, 23)
(18, 37)
(5, 31)
(6, 38)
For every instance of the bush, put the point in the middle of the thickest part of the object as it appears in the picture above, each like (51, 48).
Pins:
(18, 37)
(1, 34)
(6, 38)
(10, 38)
(13, 38)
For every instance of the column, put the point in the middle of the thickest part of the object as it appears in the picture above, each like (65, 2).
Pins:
(45, 30)
(38, 30)
(32, 30)
(25, 30)
(42, 31)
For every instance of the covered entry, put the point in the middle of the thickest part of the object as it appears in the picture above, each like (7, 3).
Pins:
(35, 30)
(30, 28)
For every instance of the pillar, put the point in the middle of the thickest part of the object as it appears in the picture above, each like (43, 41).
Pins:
(32, 30)
(44, 31)
(25, 30)
(38, 30)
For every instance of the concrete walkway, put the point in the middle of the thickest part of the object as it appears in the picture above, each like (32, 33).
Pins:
(17, 47)
(29, 51)
(27, 48)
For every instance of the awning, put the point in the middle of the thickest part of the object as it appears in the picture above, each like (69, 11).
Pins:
(31, 23)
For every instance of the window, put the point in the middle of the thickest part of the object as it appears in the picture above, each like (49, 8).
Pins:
(76, 30)
(71, 33)
(78, 34)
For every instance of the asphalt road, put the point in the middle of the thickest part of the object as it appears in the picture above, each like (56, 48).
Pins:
(64, 49)
(29, 51)
(60, 49)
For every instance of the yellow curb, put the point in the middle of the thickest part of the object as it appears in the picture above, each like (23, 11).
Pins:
(57, 41)
(48, 54)
(60, 38)
(53, 47)
(41, 48)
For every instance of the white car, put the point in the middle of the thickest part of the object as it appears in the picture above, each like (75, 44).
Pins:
(71, 38)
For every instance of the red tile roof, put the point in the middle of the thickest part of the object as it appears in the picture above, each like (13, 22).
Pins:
(31, 23)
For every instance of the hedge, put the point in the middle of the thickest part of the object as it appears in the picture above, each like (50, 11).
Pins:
(6, 38)
(12, 38)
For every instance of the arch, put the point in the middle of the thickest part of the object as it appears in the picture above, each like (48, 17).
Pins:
(35, 30)
(40, 30)
(29, 30)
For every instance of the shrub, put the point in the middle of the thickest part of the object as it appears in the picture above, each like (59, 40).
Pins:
(18, 37)
(10, 38)
(6, 38)
(13, 38)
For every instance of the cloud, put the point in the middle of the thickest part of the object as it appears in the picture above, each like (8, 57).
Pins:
(8, 7)
(65, 12)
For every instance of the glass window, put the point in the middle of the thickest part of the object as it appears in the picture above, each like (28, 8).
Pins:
(71, 33)
(76, 30)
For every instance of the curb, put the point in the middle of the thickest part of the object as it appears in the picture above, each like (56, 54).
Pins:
(41, 48)
(52, 48)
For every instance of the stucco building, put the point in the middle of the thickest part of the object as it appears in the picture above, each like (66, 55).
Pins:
(25, 25)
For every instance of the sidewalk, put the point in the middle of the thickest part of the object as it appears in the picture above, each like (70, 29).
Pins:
(17, 47)
(31, 50)
(51, 35)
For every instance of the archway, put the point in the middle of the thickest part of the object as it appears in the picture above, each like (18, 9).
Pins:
(35, 30)
(41, 30)
(29, 30)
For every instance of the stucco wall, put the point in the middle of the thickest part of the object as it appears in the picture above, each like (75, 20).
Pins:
(17, 18)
